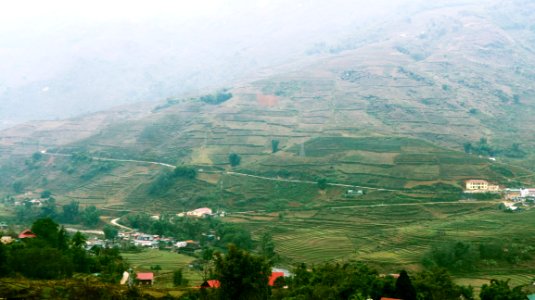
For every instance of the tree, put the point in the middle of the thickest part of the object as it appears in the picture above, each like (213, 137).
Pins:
(267, 247)
(243, 276)
(274, 146)
(185, 172)
(322, 183)
(78, 240)
(234, 159)
(46, 194)
(467, 147)
(4, 266)
(178, 278)
(404, 288)
(438, 284)
(500, 290)
(110, 232)
(90, 216)
(71, 212)
(47, 230)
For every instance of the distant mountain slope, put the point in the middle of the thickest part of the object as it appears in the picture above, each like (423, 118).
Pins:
(444, 77)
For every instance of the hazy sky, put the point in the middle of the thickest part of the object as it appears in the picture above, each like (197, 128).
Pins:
(61, 58)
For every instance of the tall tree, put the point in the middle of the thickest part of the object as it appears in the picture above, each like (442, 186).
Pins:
(71, 212)
(243, 276)
(110, 232)
(234, 159)
(274, 146)
(267, 247)
(90, 216)
(404, 288)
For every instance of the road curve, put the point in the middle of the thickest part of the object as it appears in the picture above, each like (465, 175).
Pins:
(114, 223)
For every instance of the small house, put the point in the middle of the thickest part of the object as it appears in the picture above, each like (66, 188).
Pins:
(477, 185)
(145, 278)
(27, 234)
(274, 276)
(6, 240)
(212, 284)
(200, 212)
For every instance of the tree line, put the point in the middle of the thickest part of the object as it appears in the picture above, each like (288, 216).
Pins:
(244, 276)
(53, 254)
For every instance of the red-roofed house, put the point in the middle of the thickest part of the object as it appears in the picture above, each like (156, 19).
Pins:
(274, 276)
(145, 278)
(27, 234)
(213, 283)
(385, 298)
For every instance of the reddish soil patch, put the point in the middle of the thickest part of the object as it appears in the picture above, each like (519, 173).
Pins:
(294, 204)
(267, 100)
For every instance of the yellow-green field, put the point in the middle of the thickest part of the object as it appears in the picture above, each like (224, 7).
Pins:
(168, 261)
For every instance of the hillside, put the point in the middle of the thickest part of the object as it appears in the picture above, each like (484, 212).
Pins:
(391, 116)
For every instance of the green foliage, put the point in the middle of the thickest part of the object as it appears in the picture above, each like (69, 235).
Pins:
(166, 179)
(98, 169)
(438, 284)
(90, 216)
(178, 278)
(322, 183)
(219, 97)
(514, 151)
(459, 256)
(185, 172)
(243, 276)
(274, 146)
(110, 232)
(162, 184)
(52, 255)
(467, 147)
(81, 158)
(404, 288)
(71, 212)
(234, 159)
(484, 148)
(46, 194)
(267, 247)
(500, 290)
(502, 170)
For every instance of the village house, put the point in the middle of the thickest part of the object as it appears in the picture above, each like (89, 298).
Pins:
(274, 276)
(212, 283)
(145, 278)
(6, 240)
(200, 212)
(525, 193)
(477, 185)
(512, 194)
(27, 234)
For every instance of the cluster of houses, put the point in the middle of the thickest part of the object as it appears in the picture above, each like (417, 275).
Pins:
(25, 234)
(514, 199)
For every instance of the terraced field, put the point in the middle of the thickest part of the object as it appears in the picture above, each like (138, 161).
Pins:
(168, 261)
(389, 236)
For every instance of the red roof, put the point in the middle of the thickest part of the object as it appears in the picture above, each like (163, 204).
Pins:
(213, 283)
(145, 276)
(385, 298)
(274, 276)
(26, 234)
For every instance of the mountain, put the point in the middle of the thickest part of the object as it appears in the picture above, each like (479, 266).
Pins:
(357, 150)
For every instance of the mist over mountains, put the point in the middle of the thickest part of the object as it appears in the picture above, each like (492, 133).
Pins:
(57, 65)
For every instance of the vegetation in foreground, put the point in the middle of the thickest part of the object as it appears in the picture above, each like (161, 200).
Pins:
(53, 255)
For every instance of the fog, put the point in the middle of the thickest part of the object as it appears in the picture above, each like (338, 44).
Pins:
(59, 58)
